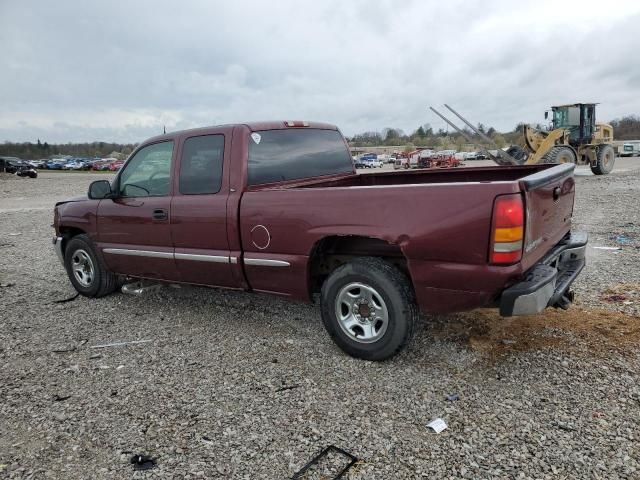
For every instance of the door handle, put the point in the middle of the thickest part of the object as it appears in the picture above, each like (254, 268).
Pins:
(160, 214)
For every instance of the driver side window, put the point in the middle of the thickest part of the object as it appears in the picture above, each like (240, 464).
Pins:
(148, 173)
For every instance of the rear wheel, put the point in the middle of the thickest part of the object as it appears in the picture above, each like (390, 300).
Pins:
(559, 154)
(85, 270)
(369, 309)
(605, 159)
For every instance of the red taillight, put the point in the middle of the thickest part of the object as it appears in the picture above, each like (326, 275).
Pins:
(507, 232)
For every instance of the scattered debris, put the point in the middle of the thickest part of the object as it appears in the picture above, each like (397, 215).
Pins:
(614, 298)
(61, 398)
(565, 427)
(453, 398)
(119, 344)
(506, 341)
(437, 425)
(323, 455)
(95, 356)
(14, 234)
(63, 348)
(65, 300)
(119, 367)
(6, 285)
(607, 248)
(622, 240)
(143, 462)
(289, 387)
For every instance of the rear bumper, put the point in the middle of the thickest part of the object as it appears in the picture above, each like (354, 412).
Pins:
(547, 283)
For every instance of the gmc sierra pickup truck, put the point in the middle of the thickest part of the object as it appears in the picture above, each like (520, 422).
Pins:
(276, 207)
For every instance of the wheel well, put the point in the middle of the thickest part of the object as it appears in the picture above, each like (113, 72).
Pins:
(332, 252)
(68, 233)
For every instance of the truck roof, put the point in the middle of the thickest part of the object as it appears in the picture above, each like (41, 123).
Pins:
(253, 126)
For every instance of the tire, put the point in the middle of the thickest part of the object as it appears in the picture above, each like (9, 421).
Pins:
(86, 271)
(605, 159)
(559, 154)
(519, 153)
(355, 290)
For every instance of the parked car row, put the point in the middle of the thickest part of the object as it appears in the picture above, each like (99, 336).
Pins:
(18, 167)
(99, 164)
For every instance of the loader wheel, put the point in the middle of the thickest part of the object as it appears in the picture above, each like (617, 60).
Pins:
(605, 159)
(559, 154)
(519, 153)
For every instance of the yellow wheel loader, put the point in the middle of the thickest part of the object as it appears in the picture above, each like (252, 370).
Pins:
(574, 138)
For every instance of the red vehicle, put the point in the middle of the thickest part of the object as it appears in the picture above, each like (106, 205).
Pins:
(116, 165)
(277, 207)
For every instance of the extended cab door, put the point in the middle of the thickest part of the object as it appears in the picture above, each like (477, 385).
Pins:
(134, 229)
(199, 212)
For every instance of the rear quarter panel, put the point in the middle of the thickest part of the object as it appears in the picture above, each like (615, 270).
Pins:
(442, 229)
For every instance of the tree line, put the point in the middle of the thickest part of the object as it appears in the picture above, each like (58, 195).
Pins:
(625, 128)
(38, 150)
(426, 136)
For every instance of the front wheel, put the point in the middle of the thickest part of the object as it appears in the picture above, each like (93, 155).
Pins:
(369, 309)
(85, 270)
(605, 159)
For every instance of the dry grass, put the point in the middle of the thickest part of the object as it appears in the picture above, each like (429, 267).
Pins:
(597, 331)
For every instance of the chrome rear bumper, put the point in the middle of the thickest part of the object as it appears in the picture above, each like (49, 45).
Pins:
(547, 283)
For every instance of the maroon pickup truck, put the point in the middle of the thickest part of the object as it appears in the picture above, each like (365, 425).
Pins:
(277, 207)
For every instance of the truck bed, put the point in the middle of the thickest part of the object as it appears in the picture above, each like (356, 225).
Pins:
(440, 219)
(448, 175)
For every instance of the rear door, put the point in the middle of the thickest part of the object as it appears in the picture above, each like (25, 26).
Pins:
(549, 196)
(134, 230)
(199, 212)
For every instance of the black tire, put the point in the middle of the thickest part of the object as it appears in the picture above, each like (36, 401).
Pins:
(559, 154)
(605, 159)
(102, 282)
(394, 293)
(519, 153)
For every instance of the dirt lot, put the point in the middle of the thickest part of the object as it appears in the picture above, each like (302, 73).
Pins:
(233, 385)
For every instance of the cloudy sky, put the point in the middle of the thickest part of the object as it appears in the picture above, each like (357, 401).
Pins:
(120, 70)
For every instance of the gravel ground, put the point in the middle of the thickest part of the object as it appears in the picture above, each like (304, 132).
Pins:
(233, 385)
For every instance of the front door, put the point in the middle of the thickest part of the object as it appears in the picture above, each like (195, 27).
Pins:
(199, 214)
(134, 228)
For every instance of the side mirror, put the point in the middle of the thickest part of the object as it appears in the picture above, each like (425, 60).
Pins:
(546, 115)
(100, 189)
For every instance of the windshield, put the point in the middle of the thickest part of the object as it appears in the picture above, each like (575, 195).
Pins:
(291, 154)
(565, 117)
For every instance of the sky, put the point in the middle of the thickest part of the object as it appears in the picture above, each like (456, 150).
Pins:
(76, 71)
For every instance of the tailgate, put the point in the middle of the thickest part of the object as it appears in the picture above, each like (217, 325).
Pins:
(549, 198)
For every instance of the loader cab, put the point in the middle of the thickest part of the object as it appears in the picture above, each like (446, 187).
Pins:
(578, 119)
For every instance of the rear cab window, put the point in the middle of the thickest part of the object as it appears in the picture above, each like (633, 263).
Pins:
(201, 165)
(295, 153)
